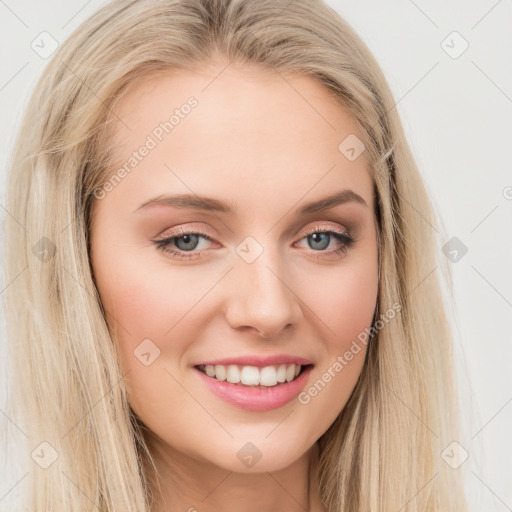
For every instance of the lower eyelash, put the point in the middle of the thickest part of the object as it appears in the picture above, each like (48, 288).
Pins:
(344, 238)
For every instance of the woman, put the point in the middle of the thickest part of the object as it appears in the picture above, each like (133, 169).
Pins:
(299, 356)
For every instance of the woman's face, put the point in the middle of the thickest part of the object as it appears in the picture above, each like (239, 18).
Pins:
(245, 168)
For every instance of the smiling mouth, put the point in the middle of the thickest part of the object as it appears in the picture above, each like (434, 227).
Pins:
(253, 376)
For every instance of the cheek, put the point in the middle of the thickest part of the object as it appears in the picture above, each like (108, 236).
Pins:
(344, 303)
(155, 314)
(344, 306)
(142, 298)
(140, 310)
(353, 308)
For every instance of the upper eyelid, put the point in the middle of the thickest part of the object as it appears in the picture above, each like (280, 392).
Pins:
(318, 227)
(205, 233)
(194, 229)
(181, 231)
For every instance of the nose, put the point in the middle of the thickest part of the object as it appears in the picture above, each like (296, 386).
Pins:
(262, 298)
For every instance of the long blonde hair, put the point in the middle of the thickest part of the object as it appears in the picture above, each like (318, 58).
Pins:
(383, 452)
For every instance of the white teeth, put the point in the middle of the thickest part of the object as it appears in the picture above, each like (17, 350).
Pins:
(220, 372)
(268, 376)
(252, 375)
(281, 373)
(290, 373)
(233, 374)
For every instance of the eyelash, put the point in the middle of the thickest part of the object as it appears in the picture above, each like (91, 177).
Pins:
(344, 237)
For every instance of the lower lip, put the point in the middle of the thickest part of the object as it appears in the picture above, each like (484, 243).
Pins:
(257, 398)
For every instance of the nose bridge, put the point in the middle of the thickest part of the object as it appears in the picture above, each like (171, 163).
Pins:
(262, 297)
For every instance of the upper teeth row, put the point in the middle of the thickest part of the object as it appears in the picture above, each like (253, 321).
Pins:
(252, 375)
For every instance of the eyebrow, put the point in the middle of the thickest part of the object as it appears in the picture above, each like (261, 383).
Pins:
(214, 205)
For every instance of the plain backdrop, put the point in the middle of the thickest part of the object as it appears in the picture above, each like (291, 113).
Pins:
(449, 65)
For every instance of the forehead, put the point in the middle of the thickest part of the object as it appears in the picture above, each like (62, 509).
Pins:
(251, 133)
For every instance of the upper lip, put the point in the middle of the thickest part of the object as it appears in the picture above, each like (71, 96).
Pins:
(259, 361)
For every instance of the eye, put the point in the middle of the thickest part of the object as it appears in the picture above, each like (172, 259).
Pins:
(179, 245)
(319, 238)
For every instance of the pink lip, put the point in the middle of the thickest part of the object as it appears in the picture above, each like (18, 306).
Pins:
(259, 361)
(255, 398)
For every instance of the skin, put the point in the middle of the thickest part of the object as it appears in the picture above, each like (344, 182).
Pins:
(267, 145)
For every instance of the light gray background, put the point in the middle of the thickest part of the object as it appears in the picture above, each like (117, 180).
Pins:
(457, 113)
